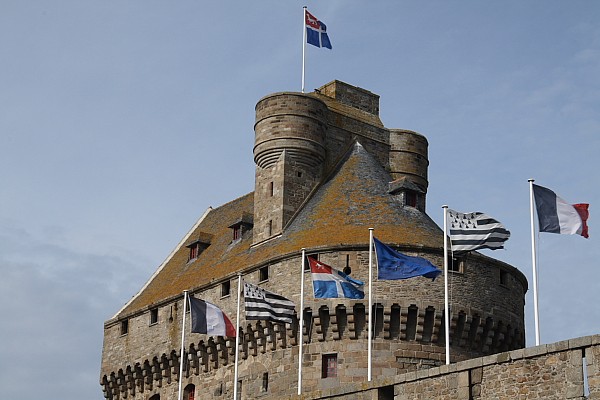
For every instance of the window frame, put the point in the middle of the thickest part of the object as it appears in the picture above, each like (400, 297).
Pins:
(226, 288)
(329, 365)
(124, 328)
(153, 316)
(263, 274)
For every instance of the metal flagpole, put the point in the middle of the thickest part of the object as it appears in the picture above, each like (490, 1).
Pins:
(237, 339)
(370, 338)
(446, 306)
(303, 43)
(536, 316)
(301, 324)
(182, 355)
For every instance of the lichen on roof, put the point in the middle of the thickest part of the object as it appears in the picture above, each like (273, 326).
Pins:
(352, 199)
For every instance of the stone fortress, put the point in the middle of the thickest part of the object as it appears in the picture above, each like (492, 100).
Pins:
(327, 170)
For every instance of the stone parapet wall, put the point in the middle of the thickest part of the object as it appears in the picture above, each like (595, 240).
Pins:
(405, 339)
(547, 372)
(482, 322)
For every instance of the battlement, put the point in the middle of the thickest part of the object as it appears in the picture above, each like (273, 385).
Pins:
(407, 337)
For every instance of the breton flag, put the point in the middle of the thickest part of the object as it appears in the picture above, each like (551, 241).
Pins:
(265, 305)
(329, 283)
(210, 319)
(557, 216)
(316, 31)
(474, 231)
(394, 265)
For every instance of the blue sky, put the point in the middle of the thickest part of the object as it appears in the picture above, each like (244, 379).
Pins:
(121, 122)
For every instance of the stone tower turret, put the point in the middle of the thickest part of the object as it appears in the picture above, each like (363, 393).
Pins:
(289, 150)
(408, 166)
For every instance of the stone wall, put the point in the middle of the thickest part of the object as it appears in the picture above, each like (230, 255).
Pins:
(408, 333)
(553, 371)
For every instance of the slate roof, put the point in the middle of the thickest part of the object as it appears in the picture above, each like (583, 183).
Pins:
(352, 199)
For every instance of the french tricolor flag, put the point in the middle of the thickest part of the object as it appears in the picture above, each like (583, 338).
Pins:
(210, 319)
(557, 216)
(330, 283)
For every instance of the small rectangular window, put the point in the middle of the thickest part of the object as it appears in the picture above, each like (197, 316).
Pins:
(225, 288)
(271, 189)
(237, 232)
(153, 316)
(329, 367)
(503, 277)
(124, 327)
(263, 274)
(193, 252)
(410, 198)
(455, 264)
(265, 382)
(270, 228)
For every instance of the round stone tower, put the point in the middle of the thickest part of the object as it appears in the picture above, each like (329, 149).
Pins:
(289, 150)
(408, 156)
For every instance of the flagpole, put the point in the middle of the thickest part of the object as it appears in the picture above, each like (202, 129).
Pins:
(370, 328)
(301, 324)
(446, 306)
(237, 339)
(181, 355)
(303, 43)
(536, 315)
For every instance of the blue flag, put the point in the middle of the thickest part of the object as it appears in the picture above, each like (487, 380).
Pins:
(316, 31)
(394, 265)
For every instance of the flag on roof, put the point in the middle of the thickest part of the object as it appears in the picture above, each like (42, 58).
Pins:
(557, 216)
(474, 231)
(394, 265)
(265, 305)
(328, 282)
(210, 319)
(316, 31)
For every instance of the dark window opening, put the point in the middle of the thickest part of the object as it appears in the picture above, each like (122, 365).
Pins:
(263, 274)
(455, 264)
(237, 232)
(124, 327)
(503, 277)
(329, 367)
(410, 198)
(196, 248)
(225, 288)
(154, 316)
(189, 393)
(219, 390)
(299, 174)
(193, 253)
(265, 382)
(385, 393)
(271, 189)
(270, 228)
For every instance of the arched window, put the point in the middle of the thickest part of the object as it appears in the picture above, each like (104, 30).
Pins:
(189, 392)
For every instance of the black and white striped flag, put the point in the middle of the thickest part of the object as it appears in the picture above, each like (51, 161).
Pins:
(265, 305)
(474, 231)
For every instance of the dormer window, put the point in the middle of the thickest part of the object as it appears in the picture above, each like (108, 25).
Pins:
(243, 224)
(237, 232)
(408, 193)
(199, 245)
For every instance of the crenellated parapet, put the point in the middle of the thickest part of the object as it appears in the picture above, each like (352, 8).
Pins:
(414, 333)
